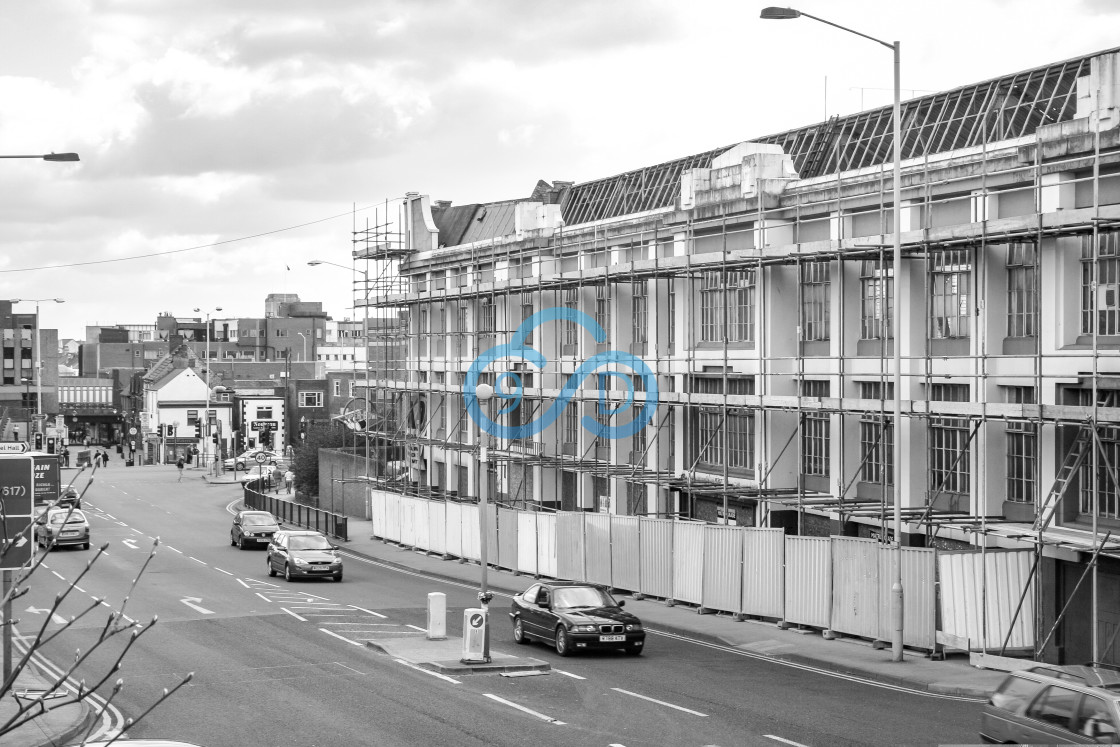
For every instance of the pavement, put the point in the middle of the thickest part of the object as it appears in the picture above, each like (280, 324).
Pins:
(952, 676)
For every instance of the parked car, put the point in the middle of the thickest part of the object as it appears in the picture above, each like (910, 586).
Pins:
(252, 528)
(1054, 704)
(575, 616)
(59, 527)
(303, 554)
(249, 459)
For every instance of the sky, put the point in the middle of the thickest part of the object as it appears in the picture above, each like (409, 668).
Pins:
(226, 143)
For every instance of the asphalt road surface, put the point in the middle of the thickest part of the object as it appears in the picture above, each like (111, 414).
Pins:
(285, 664)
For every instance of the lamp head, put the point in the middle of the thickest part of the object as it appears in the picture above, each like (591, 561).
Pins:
(61, 157)
(774, 13)
(60, 300)
(315, 262)
(484, 392)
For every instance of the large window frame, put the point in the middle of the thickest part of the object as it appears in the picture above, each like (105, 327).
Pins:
(727, 305)
(876, 436)
(816, 292)
(1022, 289)
(951, 282)
(950, 468)
(815, 432)
(876, 292)
(1021, 450)
(1106, 303)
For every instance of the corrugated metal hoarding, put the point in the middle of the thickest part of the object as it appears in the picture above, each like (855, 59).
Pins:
(597, 546)
(526, 543)
(855, 587)
(507, 538)
(491, 534)
(472, 540)
(764, 572)
(392, 517)
(723, 568)
(408, 521)
(919, 596)
(688, 562)
(569, 545)
(546, 544)
(999, 576)
(378, 514)
(656, 552)
(808, 581)
(437, 527)
(454, 535)
(625, 565)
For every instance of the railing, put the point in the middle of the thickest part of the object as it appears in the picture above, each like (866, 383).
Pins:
(291, 512)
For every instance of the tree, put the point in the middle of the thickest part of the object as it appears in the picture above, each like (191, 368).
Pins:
(305, 462)
(60, 690)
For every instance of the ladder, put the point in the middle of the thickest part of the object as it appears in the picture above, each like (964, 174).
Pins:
(1073, 461)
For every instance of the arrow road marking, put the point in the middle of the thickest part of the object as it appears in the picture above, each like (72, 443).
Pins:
(188, 601)
(130, 544)
(56, 618)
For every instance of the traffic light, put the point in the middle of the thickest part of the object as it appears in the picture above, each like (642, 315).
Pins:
(38, 442)
(198, 429)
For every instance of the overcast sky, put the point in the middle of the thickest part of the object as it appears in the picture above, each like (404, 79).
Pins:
(204, 121)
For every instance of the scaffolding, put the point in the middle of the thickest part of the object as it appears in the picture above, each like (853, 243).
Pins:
(707, 295)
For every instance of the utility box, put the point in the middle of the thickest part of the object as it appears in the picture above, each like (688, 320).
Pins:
(474, 635)
(437, 616)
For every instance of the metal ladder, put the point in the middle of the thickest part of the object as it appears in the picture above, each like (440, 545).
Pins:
(1073, 461)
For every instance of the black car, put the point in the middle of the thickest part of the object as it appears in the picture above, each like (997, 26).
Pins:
(574, 616)
(252, 528)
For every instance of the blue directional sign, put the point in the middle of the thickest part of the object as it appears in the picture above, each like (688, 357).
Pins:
(17, 493)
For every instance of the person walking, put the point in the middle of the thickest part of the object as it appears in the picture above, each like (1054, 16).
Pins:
(179, 464)
(277, 477)
(65, 457)
(289, 479)
(104, 458)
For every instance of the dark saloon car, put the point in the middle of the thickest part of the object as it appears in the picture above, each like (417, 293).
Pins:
(574, 617)
(253, 528)
(303, 554)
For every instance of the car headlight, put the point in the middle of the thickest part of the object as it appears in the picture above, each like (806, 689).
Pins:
(634, 626)
(584, 628)
(300, 562)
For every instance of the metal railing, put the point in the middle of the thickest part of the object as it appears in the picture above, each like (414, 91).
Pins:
(291, 512)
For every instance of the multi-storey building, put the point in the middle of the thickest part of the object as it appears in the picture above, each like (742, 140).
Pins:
(23, 346)
(756, 283)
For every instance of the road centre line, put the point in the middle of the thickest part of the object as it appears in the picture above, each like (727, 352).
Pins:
(80, 589)
(341, 638)
(784, 741)
(301, 619)
(568, 674)
(196, 559)
(355, 671)
(381, 625)
(523, 709)
(121, 523)
(59, 575)
(659, 702)
(219, 570)
(134, 529)
(172, 549)
(369, 612)
(443, 677)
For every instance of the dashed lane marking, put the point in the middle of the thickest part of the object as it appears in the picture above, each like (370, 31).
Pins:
(369, 612)
(301, 619)
(523, 709)
(568, 674)
(341, 638)
(784, 741)
(172, 549)
(59, 575)
(219, 570)
(437, 675)
(262, 596)
(659, 702)
(355, 671)
(196, 559)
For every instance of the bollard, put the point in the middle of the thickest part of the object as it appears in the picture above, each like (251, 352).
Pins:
(437, 616)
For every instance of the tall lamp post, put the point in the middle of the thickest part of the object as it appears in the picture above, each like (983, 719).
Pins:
(38, 351)
(6, 592)
(27, 405)
(365, 346)
(774, 13)
(205, 415)
(304, 336)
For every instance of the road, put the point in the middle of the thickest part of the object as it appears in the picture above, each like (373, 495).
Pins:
(285, 664)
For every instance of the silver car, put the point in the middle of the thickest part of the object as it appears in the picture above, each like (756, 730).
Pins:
(1054, 705)
(303, 554)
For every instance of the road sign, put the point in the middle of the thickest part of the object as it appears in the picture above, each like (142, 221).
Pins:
(261, 457)
(17, 490)
(13, 447)
(132, 431)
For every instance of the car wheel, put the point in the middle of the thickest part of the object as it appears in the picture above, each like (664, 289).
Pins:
(85, 545)
(232, 541)
(287, 572)
(271, 570)
(563, 647)
(338, 577)
(240, 465)
(634, 650)
(519, 632)
(240, 542)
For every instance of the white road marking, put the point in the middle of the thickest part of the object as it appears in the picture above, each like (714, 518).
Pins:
(243, 583)
(414, 627)
(301, 619)
(189, 601)
(369, 612)
(172, 549)
(336, 635)
(130, 544)
(659, 702)
(379, 625)
(80, 589)
(55, 617)
(523, 709)
(315, 609)
(568, 674)
(355, 671)
(121, 523)
(784, 741)
(136, 530)
(443, 677)
(196, 559)
(219, 570)
(262, 596)
(59, 575)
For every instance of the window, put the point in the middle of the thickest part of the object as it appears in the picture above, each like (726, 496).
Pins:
(727, 306)
(264, 413)
(949, 443)
(310, 399)
(638, 446)
(1022, 449)
(670, 313)
(336, 387)
(603, 310)
(876, 436)
(1055, 706)
(571, 425)
(815, 433)
(526, 312)
(639, 319)
(816, 289)
(352, 385)
(951, 274)
(281, 333)
(192, 417)
(876, 289)
(1106, 301)
(1095, 721)
(571, 302)
(726, 439)
(1108, 500)
(1014, 692)
(1022, 289)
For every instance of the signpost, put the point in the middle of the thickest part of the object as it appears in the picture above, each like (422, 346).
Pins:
(13, 447)
(17, 491)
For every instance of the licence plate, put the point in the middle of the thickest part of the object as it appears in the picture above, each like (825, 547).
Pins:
(319, 570)
(612, 638)
(69, 534)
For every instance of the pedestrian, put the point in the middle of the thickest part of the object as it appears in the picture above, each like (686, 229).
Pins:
(66, 457)
(179, 464)
(289, 478)
(277, 477)
(104, 458)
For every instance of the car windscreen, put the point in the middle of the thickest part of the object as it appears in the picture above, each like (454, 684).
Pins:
(581, 596)
(75, 518)
(309, 543)
(257, 520)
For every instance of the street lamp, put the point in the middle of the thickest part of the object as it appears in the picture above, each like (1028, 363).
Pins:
(304, 336)
(27, 404)
(896, 325)
(51, 157)
(38, 352)
(206, 384)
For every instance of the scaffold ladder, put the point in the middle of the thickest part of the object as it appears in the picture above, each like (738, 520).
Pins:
(1073, 461)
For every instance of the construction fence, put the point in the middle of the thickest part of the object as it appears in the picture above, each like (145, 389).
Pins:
(842, 584)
